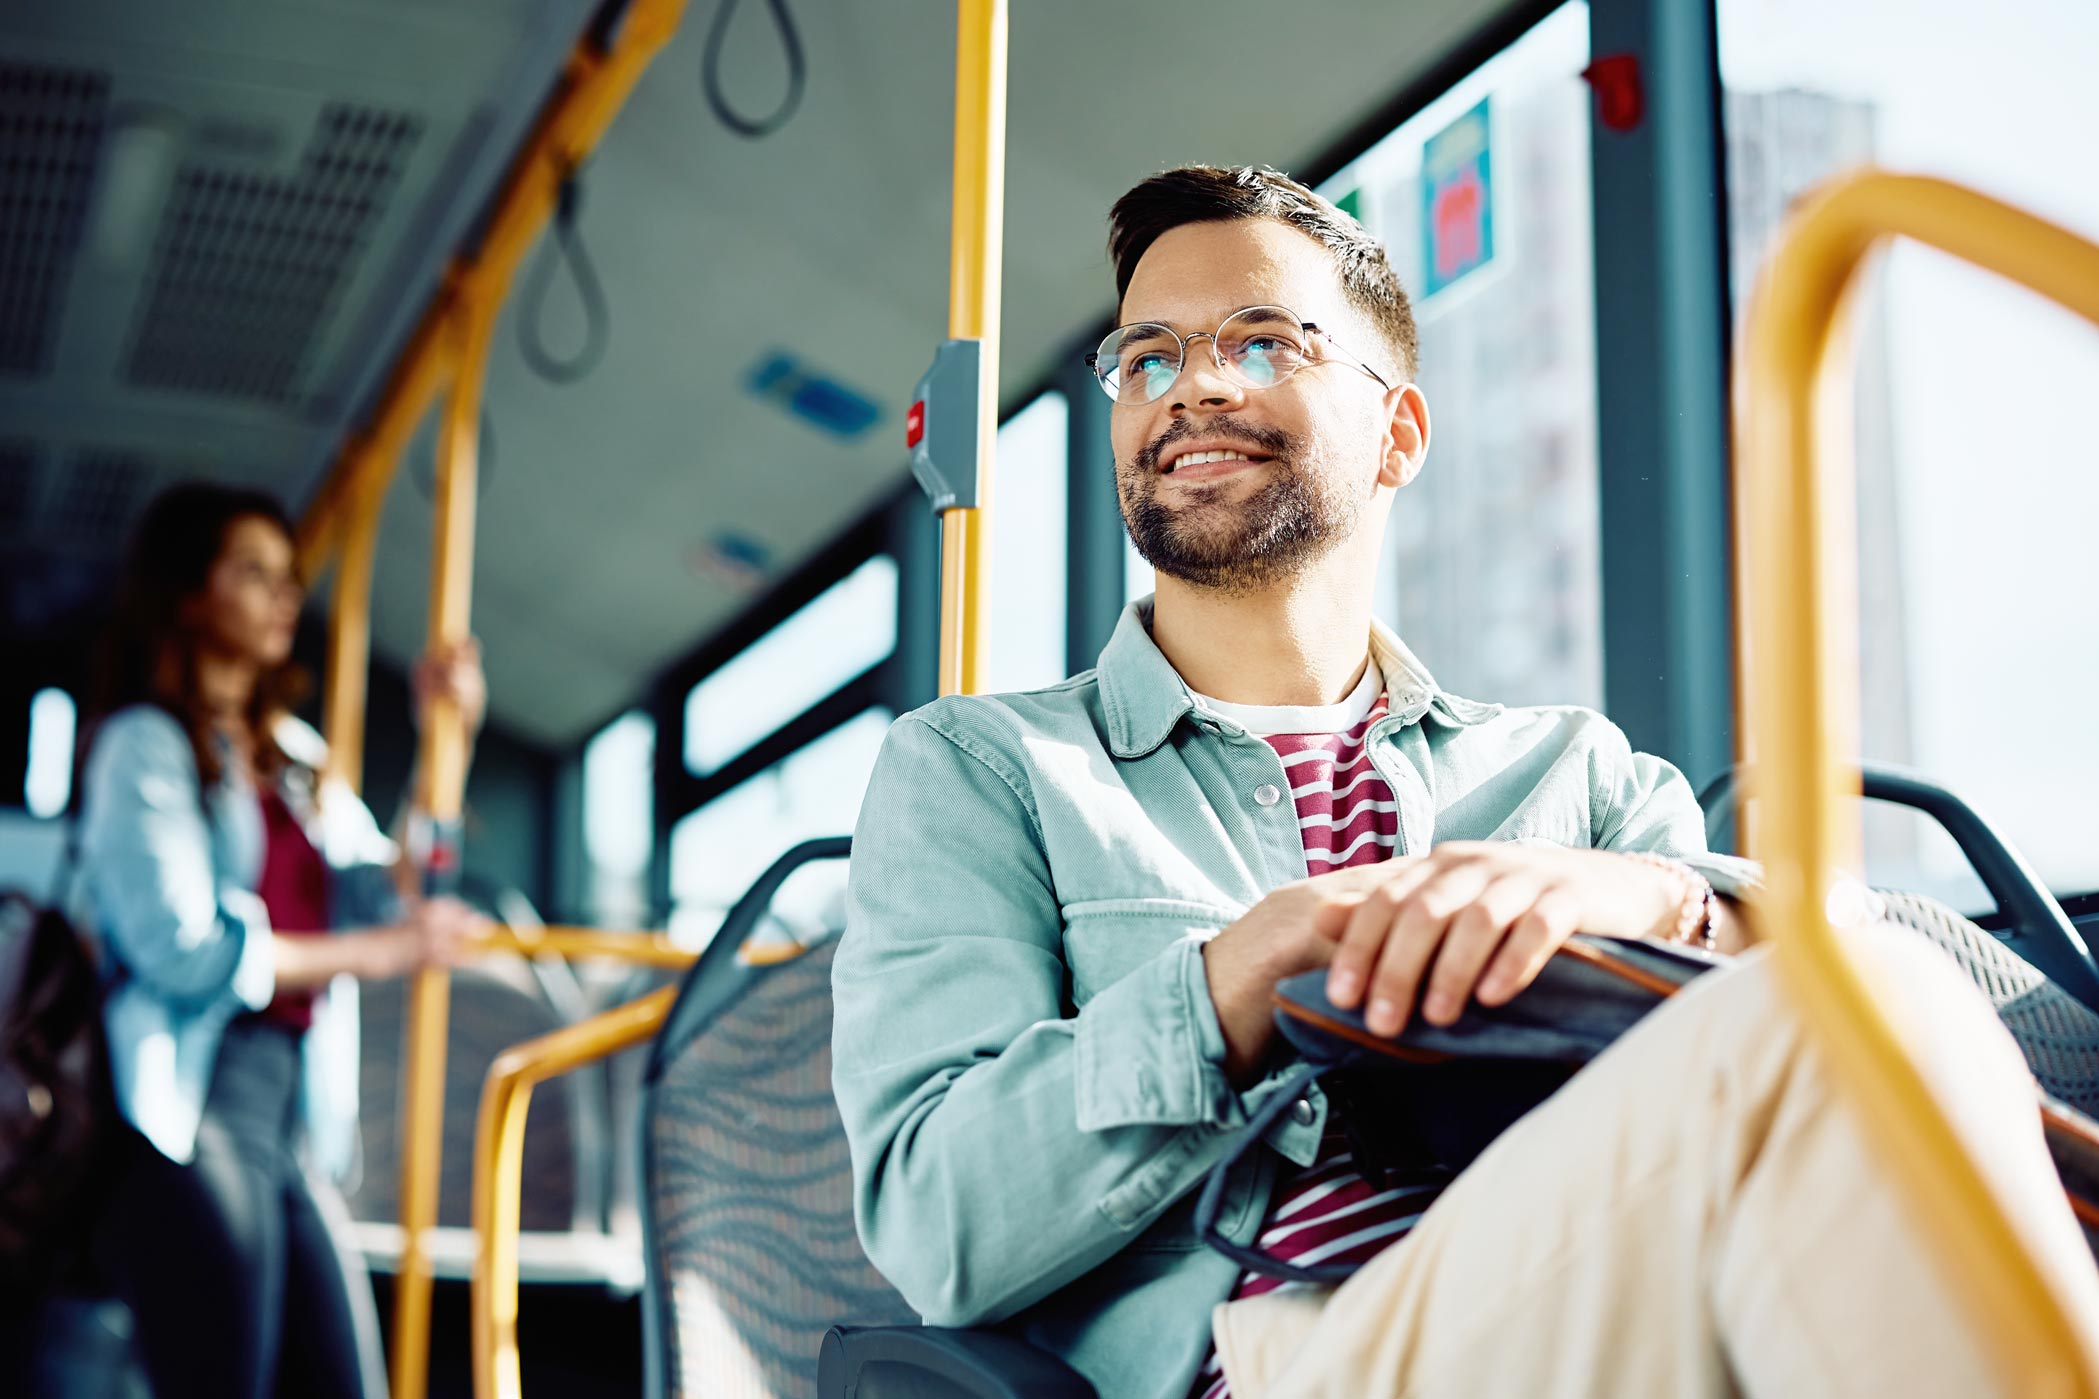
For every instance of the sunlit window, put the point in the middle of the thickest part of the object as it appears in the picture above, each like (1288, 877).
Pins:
(1138, 578)
(1492, 570)
(1024, 646)
(718, 851)
(49, 782)
(619, 816)
(1977, 476)
(847, 629)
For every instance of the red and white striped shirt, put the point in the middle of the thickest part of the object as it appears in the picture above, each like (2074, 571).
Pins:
(1346, 814)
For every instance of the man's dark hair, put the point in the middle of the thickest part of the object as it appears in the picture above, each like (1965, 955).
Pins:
(1213, 194)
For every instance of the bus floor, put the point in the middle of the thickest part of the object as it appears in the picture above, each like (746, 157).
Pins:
(576, 1341)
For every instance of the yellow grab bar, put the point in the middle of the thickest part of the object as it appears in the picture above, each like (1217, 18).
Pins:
(1797, 639)
(974, 266)
(644, 949)
(499, 1165)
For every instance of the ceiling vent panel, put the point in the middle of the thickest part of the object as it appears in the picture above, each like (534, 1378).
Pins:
(17, 487)
(248, 265)
(98, 494)
(51, 126)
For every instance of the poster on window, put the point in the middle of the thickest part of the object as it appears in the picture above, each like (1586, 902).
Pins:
(1457, 201)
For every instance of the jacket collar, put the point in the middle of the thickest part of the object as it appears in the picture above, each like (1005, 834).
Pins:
(1143, 696)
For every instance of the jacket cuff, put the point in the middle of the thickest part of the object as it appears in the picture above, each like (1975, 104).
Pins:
(1730, 875)
(255, 973)
(1150, 1050)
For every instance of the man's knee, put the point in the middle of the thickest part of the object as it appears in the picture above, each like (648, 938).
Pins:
(1943, 1020)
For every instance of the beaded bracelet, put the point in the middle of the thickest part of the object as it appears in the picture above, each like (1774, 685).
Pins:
(1695, 922)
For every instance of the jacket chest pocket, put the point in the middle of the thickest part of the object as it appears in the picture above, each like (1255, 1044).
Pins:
(1107, 939)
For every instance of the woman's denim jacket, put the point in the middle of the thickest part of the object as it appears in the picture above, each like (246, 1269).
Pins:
(166, 885)
(1025, 1052)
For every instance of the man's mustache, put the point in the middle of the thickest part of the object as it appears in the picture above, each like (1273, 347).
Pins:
(1268, 441)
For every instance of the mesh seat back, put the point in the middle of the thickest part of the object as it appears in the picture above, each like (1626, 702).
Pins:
(2058, 1034)
(748, 1186)
(488, 1015)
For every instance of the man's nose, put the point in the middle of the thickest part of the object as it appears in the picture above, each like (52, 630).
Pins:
(1203, 382)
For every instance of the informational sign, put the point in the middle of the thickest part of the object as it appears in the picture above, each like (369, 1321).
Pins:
(1457, 201)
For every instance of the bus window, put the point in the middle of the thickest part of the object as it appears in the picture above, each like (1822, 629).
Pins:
(718, 850)
(1491, 569)
(1976, 480)
(618, 818)
(49, 781)
(1025, 648)
(846, 630)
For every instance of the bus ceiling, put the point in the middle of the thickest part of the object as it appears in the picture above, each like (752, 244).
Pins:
(241, 213)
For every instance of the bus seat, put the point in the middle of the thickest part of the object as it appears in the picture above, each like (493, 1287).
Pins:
(2058, 1034)
(2036, 925)
(494, 1004)
(753, 1262)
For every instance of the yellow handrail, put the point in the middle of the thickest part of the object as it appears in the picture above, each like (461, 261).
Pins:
(441, 761)
(644, 949)
(449, 349)
(974, 268)
(499, 1163)
(1798, 603)
(350, 634)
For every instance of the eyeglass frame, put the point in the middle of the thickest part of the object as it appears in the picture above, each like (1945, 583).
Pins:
(1182, 343)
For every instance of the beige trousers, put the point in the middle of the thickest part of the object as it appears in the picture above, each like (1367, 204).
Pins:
(1695, 1214)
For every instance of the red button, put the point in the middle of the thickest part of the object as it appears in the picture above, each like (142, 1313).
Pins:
(915, 424)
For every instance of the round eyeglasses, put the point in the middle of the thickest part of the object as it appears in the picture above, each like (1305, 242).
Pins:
(1257, 347)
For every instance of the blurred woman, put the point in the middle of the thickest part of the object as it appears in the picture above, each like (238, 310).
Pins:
(237, 904)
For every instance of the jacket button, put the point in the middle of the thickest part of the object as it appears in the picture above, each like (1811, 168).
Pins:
(1268, 794)
(1302, 1112)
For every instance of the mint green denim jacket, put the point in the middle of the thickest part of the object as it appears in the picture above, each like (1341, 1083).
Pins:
(1025, 1053)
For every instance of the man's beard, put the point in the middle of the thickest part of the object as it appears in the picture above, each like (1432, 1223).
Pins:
(1292, 521)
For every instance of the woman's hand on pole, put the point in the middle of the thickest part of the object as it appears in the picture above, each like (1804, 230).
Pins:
(452, 673)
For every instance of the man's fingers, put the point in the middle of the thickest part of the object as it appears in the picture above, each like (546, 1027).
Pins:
(1535, 937)
(1471, 940)
(1412, 940)
(1359, 929)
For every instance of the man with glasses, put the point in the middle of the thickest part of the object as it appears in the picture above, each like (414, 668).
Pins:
(1068, 910)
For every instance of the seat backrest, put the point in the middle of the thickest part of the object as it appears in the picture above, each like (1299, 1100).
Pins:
(747, 1184)
(492, 1008)
(2058, 1034)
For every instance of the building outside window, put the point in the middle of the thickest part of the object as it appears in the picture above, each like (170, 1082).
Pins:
(1977, 480)
(1491, 571)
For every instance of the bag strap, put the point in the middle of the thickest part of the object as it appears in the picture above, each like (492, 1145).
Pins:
(68, 865)
(1211, 1201)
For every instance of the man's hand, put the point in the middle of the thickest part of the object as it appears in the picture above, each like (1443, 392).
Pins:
(1471, 917)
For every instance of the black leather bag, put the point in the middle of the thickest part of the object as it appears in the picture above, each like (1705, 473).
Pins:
(1419, 1108)
(58, 1115)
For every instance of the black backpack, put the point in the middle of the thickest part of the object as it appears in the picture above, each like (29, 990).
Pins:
(58, 1114)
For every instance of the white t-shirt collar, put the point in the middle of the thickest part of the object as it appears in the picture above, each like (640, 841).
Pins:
(1265, 719)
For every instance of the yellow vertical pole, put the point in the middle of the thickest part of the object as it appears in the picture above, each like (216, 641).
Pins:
(350, 631)
(973, 314)
(442, 763)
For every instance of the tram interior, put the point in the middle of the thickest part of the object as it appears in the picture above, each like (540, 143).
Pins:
(704, 581)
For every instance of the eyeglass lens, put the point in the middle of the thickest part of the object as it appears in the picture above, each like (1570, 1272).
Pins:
(1258, 347)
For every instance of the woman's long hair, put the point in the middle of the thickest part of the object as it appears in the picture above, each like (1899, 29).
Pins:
(149, 654)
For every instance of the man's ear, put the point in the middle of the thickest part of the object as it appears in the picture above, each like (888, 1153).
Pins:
(1406, 436)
